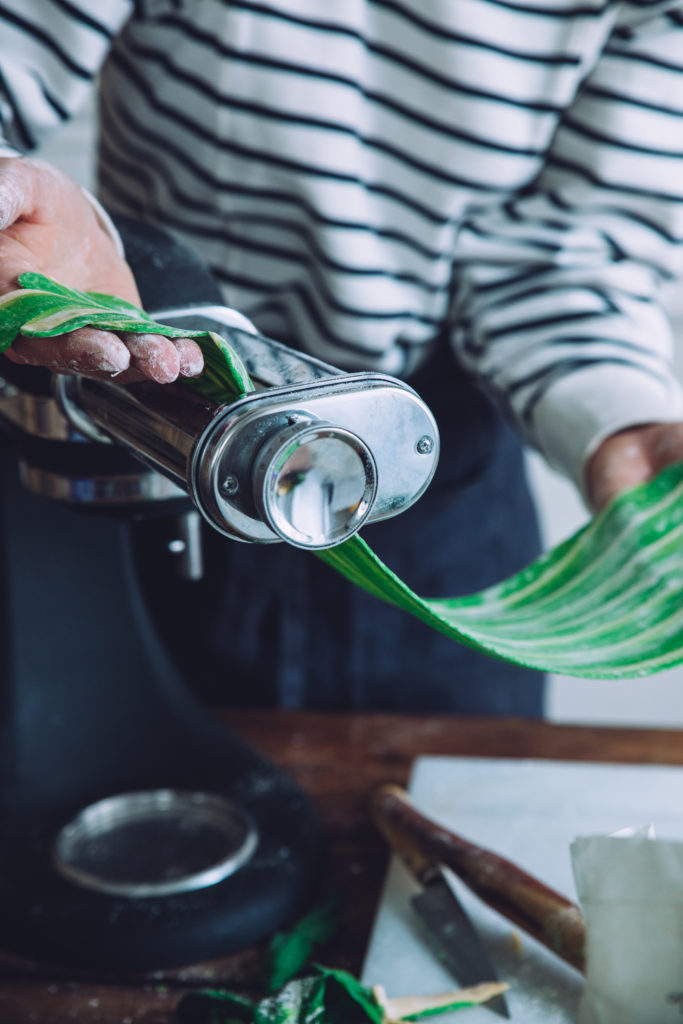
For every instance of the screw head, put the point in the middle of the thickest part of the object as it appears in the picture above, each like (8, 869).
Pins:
(229, 485)
(425, 445)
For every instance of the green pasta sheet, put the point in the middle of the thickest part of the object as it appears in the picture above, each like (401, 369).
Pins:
(42, 308)
(298, 992)
(288, 952)
(607, 603)
(325, 996)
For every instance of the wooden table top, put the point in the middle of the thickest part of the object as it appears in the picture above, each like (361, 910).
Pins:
(337, 759)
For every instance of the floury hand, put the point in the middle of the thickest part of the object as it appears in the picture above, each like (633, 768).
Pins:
(48, 225)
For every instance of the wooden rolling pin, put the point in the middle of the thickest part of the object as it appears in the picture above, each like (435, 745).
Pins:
(540, 911)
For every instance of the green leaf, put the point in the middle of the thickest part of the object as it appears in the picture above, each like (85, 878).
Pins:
(288, 952)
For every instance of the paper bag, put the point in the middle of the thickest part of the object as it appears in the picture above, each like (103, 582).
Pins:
(630, 887)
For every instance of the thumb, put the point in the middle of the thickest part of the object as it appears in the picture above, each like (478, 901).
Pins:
(32, 190)
(16, 191)
(631, 457)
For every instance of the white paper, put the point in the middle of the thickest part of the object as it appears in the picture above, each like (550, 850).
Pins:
(630, 888)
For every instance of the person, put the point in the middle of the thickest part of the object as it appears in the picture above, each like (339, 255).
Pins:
(482, 197)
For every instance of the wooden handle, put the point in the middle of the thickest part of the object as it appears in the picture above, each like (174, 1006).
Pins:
(549, 917)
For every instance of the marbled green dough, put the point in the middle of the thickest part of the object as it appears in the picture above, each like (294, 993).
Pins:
(45, 309)
(327, 995)
(606, 603)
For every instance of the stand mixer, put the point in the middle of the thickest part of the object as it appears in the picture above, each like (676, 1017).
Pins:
(137, 832)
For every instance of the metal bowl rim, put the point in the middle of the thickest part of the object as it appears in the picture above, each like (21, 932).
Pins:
(136, 805)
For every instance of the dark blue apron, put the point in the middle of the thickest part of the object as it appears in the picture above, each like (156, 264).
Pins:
(272, 626)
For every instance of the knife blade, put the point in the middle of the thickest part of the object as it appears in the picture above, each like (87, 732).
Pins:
(458, 944)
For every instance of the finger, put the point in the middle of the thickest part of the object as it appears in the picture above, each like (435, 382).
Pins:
(666, 444)
(155, 356)
(611, 482)
(626, 466)
(631, 457)
(85, 351)
(190, 355)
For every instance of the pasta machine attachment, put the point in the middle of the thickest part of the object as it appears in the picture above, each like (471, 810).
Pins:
(308, 457)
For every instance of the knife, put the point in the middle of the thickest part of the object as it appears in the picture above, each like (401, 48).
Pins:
(529, 903)
(458, 945)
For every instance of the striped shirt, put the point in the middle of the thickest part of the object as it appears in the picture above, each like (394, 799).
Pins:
(370, 177)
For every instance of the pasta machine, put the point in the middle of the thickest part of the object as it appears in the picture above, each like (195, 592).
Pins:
(137, 832)
(307, 458)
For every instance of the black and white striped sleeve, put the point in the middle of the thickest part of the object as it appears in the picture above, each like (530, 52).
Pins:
(50, 52)
(561, 311)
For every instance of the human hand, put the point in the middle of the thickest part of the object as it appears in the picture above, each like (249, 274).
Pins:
(47, 225)
(631, 457)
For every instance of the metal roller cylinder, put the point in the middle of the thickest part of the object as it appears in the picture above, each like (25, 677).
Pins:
(308, 457)
(308, 464)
